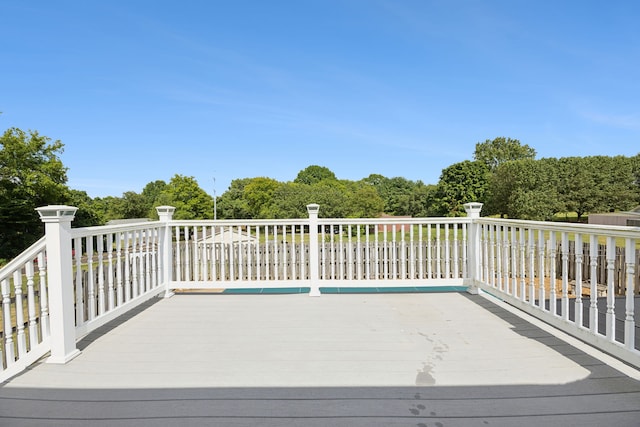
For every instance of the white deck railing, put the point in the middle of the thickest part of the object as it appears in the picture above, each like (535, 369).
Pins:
(582, 279)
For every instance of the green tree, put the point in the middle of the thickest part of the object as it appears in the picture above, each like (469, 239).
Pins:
(525, 189)
(500, 150)
(395, 192)
(461, 183)
(232, 204)
(314, 174)
(258, 193)
(190, 201)
(364, 202)
(150, 194)
(31, 175)
(89, 213)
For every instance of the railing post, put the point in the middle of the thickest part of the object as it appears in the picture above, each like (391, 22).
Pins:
(474, 253)
(314, 261)
(57, 220)
(165, 213)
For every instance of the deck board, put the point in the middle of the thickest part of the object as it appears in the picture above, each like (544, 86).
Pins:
(445, 359)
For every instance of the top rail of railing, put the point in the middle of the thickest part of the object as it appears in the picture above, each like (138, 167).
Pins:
(28, 255)
(570, 227)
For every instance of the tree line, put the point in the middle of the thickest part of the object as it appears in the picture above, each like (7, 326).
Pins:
(504, 174)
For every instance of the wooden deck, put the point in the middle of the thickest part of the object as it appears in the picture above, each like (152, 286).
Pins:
(425, 359)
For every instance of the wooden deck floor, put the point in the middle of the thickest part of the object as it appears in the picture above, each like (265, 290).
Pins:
(444, 359)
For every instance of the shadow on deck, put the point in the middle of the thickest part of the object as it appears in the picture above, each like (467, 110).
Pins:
(364, 360)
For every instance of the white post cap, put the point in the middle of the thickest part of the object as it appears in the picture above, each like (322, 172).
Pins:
(57, 213)
(313, 207)
(473, 209)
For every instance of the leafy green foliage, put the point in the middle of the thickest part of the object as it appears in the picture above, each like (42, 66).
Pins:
(190, 201)
(314, 174)
(31, 175)
(495, 152)
(461, 183)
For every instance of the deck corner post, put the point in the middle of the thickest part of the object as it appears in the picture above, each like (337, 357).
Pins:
(57, 221)
(165, 214)
(473, 270)
(314, 260)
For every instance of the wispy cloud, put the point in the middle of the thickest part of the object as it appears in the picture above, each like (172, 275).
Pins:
(621, 121)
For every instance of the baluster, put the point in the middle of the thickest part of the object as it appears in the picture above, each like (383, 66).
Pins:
(217, 271)
(552, 274)
(438, 253)
(178, 254)
(506, 252)
(385, 252)
(137, 265)
(303, 270)
(541, 268)
(579, 261)
(499, 254)
(101, 290)
(629, 319)
(31, 306)
(268, 256)
(44, 296)
(20, 336)
(611, 297)
(258, 255)
(196, 254)
(420, 253)
(403, 253)
(80, 285)
(593, 298)
(241, 254)
(276, 255)
(367, 253)
(532, 267)
(187, 255)
(147, 259)
(456, 266)
(91, 290)
(119, 288)
(358, 253)
(465, 260)
(110, 273)
(9, 345)
(565, 274)
(514, 245)
(342, 266)
(447, 253)
(231, 253)
(484, 235)
(203, 250)
(412, 254)
(523, 264)
(349, 252)
(155, 245)
(127, 267)
(493, 258)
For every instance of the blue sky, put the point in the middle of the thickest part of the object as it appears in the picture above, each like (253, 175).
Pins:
(143, 90)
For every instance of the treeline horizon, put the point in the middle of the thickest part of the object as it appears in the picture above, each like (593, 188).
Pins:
(503, 174)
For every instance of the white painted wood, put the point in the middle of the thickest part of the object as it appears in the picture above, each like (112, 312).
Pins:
(565, 275)
(44, 296)
(57, 220)
(578, 289)
(611, 296)
(31, 306)
(630, 270)
(9, 345)
(593, 300)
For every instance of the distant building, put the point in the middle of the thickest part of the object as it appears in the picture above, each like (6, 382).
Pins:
(630, 218)
(399, 227)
